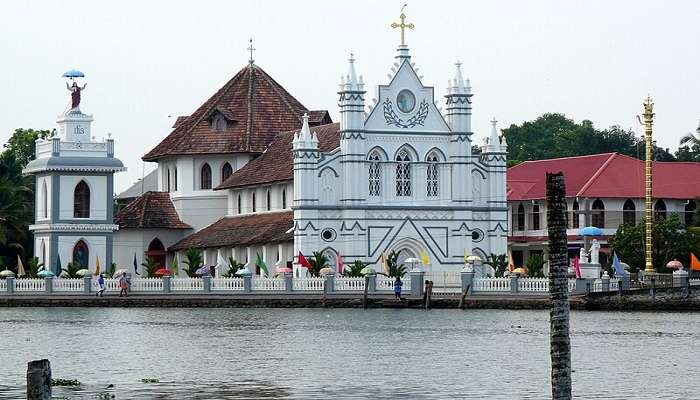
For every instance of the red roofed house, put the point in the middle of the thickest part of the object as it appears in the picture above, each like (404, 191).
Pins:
(610, 186)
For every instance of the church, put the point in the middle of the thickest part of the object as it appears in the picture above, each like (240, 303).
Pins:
(253, 172)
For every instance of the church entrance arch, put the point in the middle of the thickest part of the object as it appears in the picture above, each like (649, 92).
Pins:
(81, 254)
(408, 248)
(156, 251)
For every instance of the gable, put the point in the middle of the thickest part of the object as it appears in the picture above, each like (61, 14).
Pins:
(405, 105)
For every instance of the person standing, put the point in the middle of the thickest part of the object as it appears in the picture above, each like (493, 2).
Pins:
(123, 285)
(397, 288)
(100, 285)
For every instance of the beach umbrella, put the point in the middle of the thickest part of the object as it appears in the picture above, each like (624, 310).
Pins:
(368, 271)
(284, 270)
(519, 271)
(119, 273)
(73, 73)
(163, 272)
(590, 231)
(44, 273)
(244, 272)
(473, 258)
(20, 267)
(82, 272)
(6, 273)
(326, 271)
(674, 264)
(202, 271)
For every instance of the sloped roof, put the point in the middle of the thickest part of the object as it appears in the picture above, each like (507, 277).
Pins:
(148, 183)
(149, 211)
(276, 164)
(259, 105)
(245, 230)
(611, 175)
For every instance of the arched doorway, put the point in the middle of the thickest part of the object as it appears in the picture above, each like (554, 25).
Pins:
(156, 251)
(81, 254)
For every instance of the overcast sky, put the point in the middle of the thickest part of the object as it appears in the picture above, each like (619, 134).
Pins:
(147, 60)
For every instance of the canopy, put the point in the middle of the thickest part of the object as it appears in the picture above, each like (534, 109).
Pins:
(163, 272)
(7, 273)
(674, 264)
(284, 270)
(46, 273)
(590, 231)
(73, 73)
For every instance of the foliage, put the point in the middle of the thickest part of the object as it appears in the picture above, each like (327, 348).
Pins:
(670, 240)
(318, 261)
(499, 263)
(150, 266)
(33, 267)
(193, 260)
(396, 270)
(71, 270)
(64, 382)
(534, 265)
(512, 163)
(233, 267)
(16, 210)
(353, 270)
(22, 144)
(112, 269)
(688, 153)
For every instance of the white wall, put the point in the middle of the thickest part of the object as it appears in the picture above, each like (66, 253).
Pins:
(39, 197)
(96, 248)
(246, 195)
(98, 196)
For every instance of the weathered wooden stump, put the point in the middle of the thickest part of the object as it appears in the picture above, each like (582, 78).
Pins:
(39, 380)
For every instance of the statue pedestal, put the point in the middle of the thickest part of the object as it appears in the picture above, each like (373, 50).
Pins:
(589, 271)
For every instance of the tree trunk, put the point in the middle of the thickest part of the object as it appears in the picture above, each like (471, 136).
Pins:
(560, 347)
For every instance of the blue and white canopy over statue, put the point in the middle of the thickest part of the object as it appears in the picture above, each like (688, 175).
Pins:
(590, 231)
(73, 73)
(74, 88)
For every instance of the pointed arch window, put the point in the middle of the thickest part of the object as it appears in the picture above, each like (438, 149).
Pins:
(284, 198)
(375, 174)
(175, 178)
(536, 217)
(690, 212)
(433, 189)
(226, 171)
(268, 200)
(598, 214)
(520, 218)
(44, 201)
(403, 174)
(81, 254)
(167, 180)
(239, 204)
(205, 177)
(660, 209)
(628, 213)
(81, 200)
(252, 202)
(574, 215)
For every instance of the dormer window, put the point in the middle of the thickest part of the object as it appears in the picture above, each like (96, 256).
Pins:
(221, 119)
(218, 123)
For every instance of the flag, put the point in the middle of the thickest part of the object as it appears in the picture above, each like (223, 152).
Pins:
(260, 263)
(466, 255)
(577, 267)
(20, 267)
(97, 266)
(694, 263)
(617, 266)
(340, 264)
(425, 257)
(385, 264)
(136, 266)
(221, 263)
(58, 265)
(303, 261)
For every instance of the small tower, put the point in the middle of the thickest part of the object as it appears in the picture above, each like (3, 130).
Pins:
(494, 157)
(352, 138)
(459, 118)
(74, 191)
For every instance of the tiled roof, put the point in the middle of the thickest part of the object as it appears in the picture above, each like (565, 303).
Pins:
(245, 230)
(276, 164)
(260, 107)
(148, 183)
(151, 210)
(610, 175)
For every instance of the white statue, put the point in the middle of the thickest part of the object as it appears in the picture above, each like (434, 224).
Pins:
(595, 249)
(583, 256)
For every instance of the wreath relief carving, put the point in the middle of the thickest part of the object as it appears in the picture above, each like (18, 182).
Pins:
(393, 119)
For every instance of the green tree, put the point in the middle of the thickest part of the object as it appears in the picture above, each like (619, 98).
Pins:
(396, 270)
(233, 267)
(193, 260)
(534, 265)
(499, 263)
(22, 144)
(688, 153)
(353, 270)
(33, 267)
(318, 261)
(150, 266)
(71, 270)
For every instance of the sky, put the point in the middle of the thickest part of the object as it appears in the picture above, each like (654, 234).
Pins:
(146, 62)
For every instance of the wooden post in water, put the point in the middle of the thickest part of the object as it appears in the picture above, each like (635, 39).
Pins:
(364, 294)
(560, 345)
(39, 380)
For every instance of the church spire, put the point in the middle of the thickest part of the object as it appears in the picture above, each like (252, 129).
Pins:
(305, 139)
(350, 81)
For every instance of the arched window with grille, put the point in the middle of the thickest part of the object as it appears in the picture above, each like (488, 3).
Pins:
(403, 173)
(660, 209)
(81, 200)
(598, 214)
(205, 177)
(375, 174)
(432, 187)
(628, 213)
(226, 171)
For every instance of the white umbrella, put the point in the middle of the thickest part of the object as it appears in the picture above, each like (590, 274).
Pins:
(473, 258)
(7, 273)
(244, 272)
(119, 272)
(325, 271)
(83, 272)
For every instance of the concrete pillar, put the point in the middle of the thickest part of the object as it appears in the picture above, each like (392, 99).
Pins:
(87, 284)
(514, 283)
(288, 282)
(680, 278)
(330, 283)
(247, 284)
(48, 284)
(39, 380)
(10, 282)
(207, 283)
(584, 285)
(606, 282)
(166, 284)
(372, 284)
(467, 281)
(417, 278)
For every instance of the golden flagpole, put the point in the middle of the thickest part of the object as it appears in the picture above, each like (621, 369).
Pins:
(648, 175)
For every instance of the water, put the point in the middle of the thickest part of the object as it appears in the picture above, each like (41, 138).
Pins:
(346, 353)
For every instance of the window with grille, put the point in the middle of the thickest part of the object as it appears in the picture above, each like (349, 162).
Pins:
(81, 200)
(205, 177)
(375, 175)
(226, 171)
(432, 176)
(403, 174)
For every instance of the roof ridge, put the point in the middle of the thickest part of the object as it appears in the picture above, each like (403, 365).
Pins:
(596, 174)
(276, 86)
(146, 198)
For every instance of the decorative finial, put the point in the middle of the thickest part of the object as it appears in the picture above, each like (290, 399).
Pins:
(251, 49)
(494, 121)
(402, 25)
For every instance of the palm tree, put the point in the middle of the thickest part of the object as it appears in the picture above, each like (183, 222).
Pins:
(16, 207)
(396, 270)
(318, 261)
(499, 263)
(233, 267)
(150, 266)
(193, 260)
(560, 346)
(33, 267)
(353, 270)
(691, 139)
(71, 270)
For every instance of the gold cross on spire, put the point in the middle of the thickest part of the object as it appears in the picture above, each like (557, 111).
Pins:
(403, 25)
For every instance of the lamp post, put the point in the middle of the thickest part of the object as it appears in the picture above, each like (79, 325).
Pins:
(648, 121)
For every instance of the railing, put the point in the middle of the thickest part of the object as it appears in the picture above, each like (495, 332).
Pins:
(3, 285)
(614, 284)
(572, 285)
(187, 284)
(68, 285)
(444, 279)
(386, 283)
(146, 285)
(349, 284)
(533, 284)
(268, 284)
(30, 285)
(233, 284)
(491, 285)
(694, 282)
(111, 285)
(308, 284)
